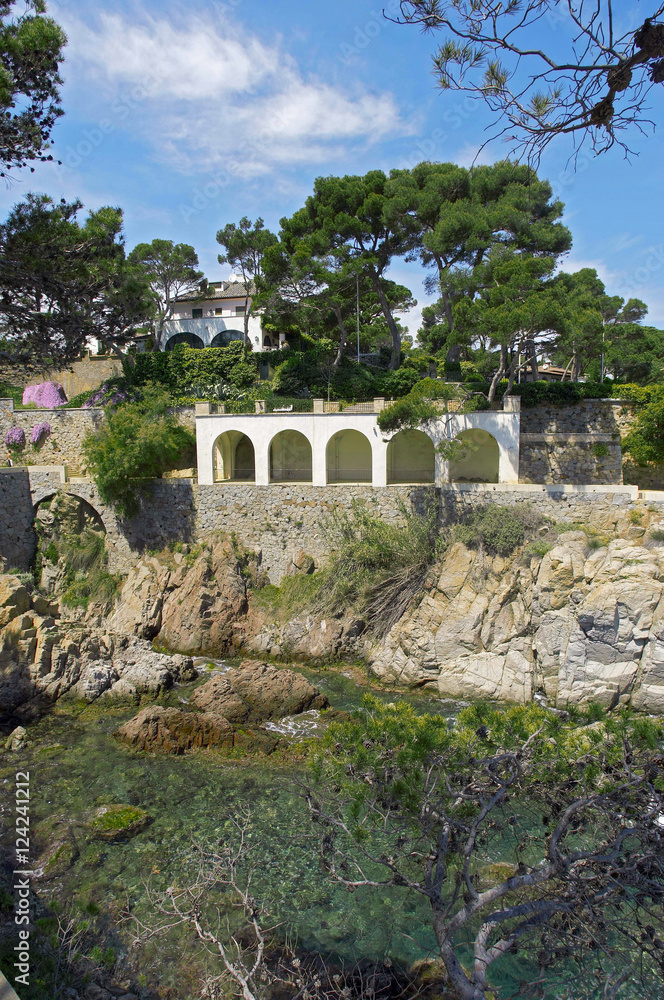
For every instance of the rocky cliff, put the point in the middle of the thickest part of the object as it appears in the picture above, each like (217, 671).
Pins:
(576, 615)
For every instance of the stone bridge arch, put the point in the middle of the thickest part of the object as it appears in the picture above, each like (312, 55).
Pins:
(120, 555)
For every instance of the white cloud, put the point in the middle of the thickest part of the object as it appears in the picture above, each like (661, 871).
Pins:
(206, 94)
(474, 155)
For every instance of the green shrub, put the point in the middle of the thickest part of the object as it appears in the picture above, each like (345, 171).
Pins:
(560, 393)
(499, 530)
(600, 450)
(397, 383)
(76, 402)
(378, 569)
(138, 441)
(657, 535)
(411, 411)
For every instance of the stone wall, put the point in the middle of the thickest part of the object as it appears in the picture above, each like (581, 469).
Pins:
(572, 444)
(86, 374)
(64, 445)
(17, 540)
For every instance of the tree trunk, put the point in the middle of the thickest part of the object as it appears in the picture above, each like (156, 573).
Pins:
(395, 359)
(512, 372)
(344, 335)
(532, 356)
(499, 374)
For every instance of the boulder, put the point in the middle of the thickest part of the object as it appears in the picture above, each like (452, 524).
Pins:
(118, 822)
(17, 739)
(172, 730)
(14, 599)
(257, 691)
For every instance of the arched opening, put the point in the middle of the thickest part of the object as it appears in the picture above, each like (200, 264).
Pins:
(234, 458)
(71, 553)
(411, 458)
(477, 459)
(224, 338)
(267, 342)
(348, 458)
(190, 339)
(290, 458)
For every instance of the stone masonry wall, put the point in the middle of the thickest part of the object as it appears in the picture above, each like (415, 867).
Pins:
(64, 445)
(17, 541)
(278, 521)
(571, 444)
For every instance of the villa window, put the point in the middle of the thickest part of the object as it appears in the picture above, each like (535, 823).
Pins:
(240, 310)
(219, 312)
(197, 314)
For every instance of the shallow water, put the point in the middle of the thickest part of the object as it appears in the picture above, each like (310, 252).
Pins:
(76, 764)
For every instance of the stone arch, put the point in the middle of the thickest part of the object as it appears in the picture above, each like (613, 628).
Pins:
(234, 458)
(290, 458)
(348, 458)
(87, 513)
(411, 458)
(224, 338)
(477, 459)
(190, 339)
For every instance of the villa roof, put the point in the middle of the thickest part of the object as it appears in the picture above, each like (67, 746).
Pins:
(220, 290)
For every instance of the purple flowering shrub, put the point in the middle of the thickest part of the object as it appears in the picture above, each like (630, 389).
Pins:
(39, 432)
(47, 395)
(108, 394)
(15, 437)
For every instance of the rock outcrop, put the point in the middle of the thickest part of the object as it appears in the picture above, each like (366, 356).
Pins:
(44, 658)
(172, 730)
(187, 602)
(584, 621)
(256, 692)
(226, 705)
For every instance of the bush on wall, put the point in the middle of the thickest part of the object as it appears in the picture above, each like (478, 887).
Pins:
(138, 441)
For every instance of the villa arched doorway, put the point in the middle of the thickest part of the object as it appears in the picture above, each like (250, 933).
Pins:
(234, 458)
(477, 459)
(348, 458)
(411, 458)
(290, 458)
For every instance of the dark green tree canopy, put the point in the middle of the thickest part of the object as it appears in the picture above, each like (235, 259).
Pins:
(245, 246)
(31, 47)
(62, 282)
(171, 270)
(348, 222)
(462, 216)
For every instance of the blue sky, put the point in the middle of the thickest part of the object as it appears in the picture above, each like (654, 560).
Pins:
(189, 116)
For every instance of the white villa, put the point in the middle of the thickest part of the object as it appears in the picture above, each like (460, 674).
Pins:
(216, 320)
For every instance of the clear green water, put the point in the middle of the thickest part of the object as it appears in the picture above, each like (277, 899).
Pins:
(75, 764)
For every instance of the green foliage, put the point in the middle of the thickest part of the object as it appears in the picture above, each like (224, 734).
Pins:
(600, 450)
(138, 441)
(79, 269)
(76, 402)
(411, 411)
(295, 594)
(9, 391)
(31, 49)
(561, 393)
(499, 530)
(397, 383)
(378, 569)
(644, 443)
(171, 271)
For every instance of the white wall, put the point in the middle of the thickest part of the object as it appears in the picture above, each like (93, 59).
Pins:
(320, 428)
